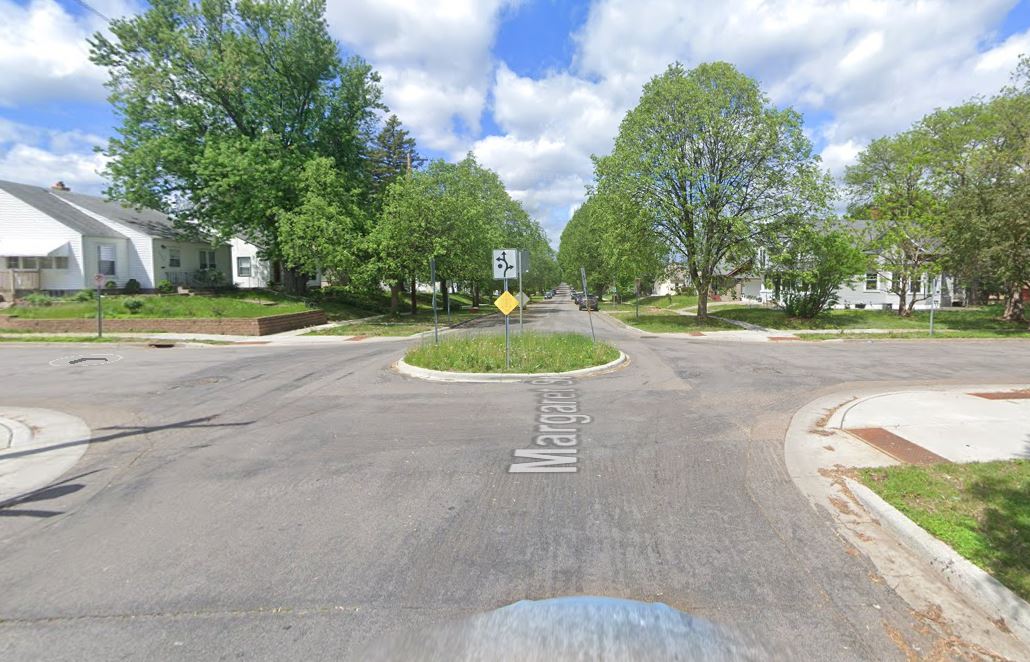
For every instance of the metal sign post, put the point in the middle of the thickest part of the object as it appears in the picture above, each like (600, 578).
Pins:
(586, 297)
(520, 268)
(934, 291)
(637, 284)
(507, 334)
(436, 323)
(505, 263)
(99, 279)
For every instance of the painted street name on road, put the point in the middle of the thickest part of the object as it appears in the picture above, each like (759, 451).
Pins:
(557, 432)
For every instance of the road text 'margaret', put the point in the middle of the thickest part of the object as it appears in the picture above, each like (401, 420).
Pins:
(556, 443)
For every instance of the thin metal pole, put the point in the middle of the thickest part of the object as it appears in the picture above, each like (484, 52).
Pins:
(436, 323)
(638, 298)
(100, 315)
(518, 261)
(507, 335)
(586, 297)
(933, 301)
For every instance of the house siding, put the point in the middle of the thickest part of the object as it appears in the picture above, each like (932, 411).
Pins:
(139, 258)
(261, 270)
(189, 259)
(19, 219)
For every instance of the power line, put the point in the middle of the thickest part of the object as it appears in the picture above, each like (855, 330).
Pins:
(87, 7)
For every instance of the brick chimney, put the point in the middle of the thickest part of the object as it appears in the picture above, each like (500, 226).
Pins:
(59, 186)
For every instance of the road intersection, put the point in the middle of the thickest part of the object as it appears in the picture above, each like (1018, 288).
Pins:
(301, 501)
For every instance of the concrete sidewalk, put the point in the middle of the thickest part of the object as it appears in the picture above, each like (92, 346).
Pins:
(835, 434)
(960, 425)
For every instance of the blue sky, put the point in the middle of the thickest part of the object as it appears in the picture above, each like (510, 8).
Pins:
(534, 87)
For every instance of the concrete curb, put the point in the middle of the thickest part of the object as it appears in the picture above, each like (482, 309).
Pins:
(409, 370)
(978, 586)
(43, 445)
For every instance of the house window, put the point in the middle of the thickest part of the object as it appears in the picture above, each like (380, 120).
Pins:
(60, 263)
(105, 260)
(174, 258)
(29, 263)
(916, 286)
(872, 281)
(243, 266)
(207, 260)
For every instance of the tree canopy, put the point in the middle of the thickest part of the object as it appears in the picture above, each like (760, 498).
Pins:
(222, 103)
(713, 168)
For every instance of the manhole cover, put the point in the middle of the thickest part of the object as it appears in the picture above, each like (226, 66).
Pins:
(86, 360)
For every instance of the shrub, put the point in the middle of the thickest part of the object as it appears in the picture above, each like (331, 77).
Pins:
(133, 305)
(83, 296)
(209, 278)
(165, 287)
(110, 285)
(132, 286)
(38, 299)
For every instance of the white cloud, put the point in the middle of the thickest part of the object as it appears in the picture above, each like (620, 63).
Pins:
(35, 155)
(434, 58)
(44, 54)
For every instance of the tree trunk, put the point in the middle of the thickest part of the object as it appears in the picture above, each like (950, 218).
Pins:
(446, 294)
(395, 296)
(903, 297)
(702, 302)
(414, 297)
(294, 282)
(1014, 305)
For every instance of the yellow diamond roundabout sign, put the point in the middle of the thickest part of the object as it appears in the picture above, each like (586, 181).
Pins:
(506, 303)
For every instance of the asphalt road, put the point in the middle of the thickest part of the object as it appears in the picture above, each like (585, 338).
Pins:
(302, 502)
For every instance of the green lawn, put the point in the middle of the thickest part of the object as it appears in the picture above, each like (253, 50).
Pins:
(981, 510)
(664, 321)
(668, 302)
(983, 319)
(155, 306)
(530, 352)
(41, 337)
(900, 334)
(402, 325)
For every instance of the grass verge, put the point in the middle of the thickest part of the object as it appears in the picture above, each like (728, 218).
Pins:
(981, 510)
(530, 352)
(915, 335)
(400, 325)
(971, 320)
(245, 304)
(670, 322)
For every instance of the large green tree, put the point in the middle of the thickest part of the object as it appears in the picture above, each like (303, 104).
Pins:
(982, 168)
(892, 186)
(222, 102)
(713, 168)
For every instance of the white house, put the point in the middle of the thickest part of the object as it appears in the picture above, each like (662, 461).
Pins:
(55, 240)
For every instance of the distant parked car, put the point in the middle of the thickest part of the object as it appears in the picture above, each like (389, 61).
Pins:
(548, 294)
(588, 301)
(573, 295)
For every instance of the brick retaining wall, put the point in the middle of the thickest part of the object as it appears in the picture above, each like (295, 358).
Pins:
(232, 326)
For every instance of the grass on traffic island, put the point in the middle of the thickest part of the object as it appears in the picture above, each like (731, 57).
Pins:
(981, 510)
(531, 352)
(666, 321)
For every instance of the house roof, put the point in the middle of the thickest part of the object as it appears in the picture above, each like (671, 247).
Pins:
(43, 200)
(149, 221)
